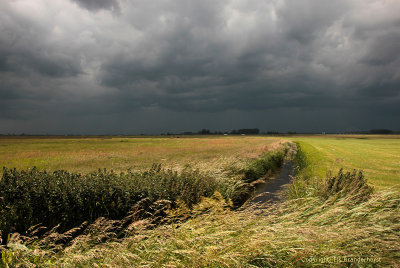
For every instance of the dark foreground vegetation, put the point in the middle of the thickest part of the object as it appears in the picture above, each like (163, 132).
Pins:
(32, 197)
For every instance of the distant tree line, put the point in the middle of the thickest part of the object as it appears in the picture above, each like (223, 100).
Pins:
(247, 131)
(374, 131)
(256, 131)
(242, 131)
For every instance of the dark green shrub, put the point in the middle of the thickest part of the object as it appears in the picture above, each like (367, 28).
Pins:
(261, 166)
(29, 197)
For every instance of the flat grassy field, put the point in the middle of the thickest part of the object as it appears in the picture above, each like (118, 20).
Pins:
(377, 156)
(348, 225)
(85, 155)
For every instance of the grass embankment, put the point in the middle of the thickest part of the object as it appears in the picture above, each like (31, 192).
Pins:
(377, 156)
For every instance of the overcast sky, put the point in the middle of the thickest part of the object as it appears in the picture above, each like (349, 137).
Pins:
(140, 66)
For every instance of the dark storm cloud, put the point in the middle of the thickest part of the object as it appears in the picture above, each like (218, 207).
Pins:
(199, 59)
(304, 21)
(23, 62)
(25, 47)
(94, 5)
(384, 50)
(258, 63)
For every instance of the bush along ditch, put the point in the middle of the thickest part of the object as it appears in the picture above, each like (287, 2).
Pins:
(38, 204)
(63, 199)
(258, 170)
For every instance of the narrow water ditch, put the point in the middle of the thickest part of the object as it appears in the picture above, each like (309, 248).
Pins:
(271, 190)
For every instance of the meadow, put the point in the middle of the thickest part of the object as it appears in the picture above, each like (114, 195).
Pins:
(88, 154)
(52, 191)
(329, 217)
(377, 156)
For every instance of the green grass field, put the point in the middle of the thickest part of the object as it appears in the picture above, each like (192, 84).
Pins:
(377, 156)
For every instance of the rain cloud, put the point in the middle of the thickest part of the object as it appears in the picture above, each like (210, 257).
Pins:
(114, 66)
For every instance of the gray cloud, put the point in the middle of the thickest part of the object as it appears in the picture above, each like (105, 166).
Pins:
(203, 62)
(95, 5)
(23, 62)
(383, 50)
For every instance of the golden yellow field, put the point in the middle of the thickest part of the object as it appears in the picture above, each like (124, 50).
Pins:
(88, 154)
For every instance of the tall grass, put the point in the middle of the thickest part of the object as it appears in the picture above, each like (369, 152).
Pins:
(30, 197)
(303, 232)
(346, 229)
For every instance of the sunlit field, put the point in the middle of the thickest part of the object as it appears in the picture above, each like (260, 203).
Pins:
(189, 214)
(88, 154)
(377, 156)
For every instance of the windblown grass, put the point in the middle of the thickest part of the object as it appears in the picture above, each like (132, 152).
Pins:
(339, 221)
(314, 231)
